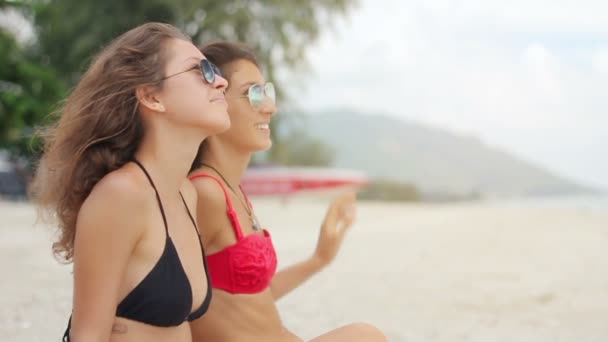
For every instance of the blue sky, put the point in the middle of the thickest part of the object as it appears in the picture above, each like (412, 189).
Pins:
(527, 76)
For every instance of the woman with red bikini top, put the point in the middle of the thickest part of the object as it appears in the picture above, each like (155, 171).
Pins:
(241, 257)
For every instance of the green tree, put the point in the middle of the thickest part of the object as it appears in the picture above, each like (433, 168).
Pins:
(70, 32)
(280, 31)
(28, 92)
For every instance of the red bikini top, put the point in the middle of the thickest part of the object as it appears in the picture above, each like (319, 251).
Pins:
(248, 265)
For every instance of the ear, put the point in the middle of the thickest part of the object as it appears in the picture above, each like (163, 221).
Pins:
(149, 98)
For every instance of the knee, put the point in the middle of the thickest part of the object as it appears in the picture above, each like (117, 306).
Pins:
(368, 332)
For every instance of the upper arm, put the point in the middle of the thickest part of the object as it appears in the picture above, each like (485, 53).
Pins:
(108, 227)
(211, 209)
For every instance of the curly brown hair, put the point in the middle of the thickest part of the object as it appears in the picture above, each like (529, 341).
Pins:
(99, 128)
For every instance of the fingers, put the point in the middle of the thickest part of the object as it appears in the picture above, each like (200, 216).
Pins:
(346, 198)
(341, 213)
(350, 215)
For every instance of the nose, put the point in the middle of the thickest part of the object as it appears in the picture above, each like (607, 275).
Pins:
(268, 107)
(220, 83)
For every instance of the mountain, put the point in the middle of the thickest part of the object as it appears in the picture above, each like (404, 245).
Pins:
(434, 160)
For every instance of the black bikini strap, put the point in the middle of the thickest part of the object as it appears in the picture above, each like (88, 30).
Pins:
(189, 214)
(160, 203)
(66, 334)
(203, 254)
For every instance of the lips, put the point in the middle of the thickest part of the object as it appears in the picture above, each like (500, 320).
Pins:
(219, 98)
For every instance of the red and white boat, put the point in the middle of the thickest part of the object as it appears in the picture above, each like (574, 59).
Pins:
(260, 181)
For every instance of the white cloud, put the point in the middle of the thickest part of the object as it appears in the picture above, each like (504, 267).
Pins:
(543, 70)
(599, 60)
(583, 16)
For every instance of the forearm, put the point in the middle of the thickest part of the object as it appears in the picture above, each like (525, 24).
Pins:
(293, 276)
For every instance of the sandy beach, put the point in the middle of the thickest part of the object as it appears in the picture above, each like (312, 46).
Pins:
(420, 272)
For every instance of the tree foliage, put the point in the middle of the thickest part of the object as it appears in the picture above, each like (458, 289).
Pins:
(69, 32)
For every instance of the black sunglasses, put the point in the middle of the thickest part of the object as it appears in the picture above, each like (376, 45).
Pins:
(208, 69)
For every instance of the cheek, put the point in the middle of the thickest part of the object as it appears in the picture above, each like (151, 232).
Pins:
(239, 112)
(185, 100)
(242, 125)
(195, 90)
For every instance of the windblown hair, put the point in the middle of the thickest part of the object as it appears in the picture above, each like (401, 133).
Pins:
(99, 128)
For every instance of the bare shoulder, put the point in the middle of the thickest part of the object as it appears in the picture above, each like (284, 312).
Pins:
(110, 223)
(211, 207)
(210, 194)
(118, 200)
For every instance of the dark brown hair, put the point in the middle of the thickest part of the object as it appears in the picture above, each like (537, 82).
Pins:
(99, 128)
(223, 54)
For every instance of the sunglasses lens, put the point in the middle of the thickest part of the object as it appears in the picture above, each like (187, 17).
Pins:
(216, 70)
(256, 95)
(270, 92)
(208, 71)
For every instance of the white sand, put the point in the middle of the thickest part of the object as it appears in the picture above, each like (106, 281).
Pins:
(419, 272)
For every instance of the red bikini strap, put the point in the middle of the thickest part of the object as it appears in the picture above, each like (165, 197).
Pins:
(232, 215)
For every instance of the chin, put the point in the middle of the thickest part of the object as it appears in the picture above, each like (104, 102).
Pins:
(218, 127)
(262, 146)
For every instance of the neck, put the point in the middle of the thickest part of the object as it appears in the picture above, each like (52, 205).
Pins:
(167, 154)
(227, 160)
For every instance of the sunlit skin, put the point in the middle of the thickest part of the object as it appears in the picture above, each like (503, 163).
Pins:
(254, 317)
(120, 233)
